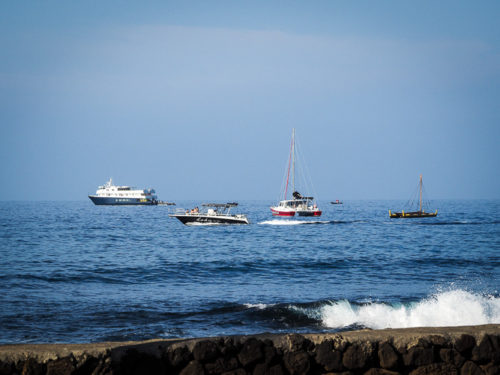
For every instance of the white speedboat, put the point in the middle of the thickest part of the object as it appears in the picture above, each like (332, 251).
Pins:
(210, 214)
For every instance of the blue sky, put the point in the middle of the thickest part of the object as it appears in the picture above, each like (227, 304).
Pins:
(198, 99)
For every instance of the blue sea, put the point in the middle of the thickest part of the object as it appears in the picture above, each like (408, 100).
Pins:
(73, 272)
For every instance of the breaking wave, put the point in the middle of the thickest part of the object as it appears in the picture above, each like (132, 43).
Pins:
(451, 308)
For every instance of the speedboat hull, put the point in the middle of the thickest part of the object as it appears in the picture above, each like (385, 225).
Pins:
(190, 219)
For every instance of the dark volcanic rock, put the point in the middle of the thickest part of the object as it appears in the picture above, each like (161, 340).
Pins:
(298, 342)
(227, 347)
(136, 363)
(470, 368)
(5, 368)
(179, 357)
(380, 371)
(464, 344)
(435, 369)
(438, 341)
(418, 356)
(491, 369)
(327, 357)
(238, 371)
(221, 365)
(487, 350)
(452, 356)
(270, 354)
(193, 368)
(32, 367)
(387, 356)
(276, 370)
(297, 362)
(356, 357)
(62, 366)
(251, 352)
(205, 351)
(263, 369)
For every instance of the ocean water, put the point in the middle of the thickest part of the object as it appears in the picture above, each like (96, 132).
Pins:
(75, 272)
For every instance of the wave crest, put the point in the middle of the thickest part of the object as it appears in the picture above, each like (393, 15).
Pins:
(452, 308)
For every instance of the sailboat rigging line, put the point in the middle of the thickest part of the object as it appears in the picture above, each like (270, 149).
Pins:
(283, 182)
(306, 176)
(413, 203)
(288, 173)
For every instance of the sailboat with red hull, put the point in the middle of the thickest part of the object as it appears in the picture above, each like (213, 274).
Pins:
(296, 204)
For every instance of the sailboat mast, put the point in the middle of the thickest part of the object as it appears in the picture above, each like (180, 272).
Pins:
(293, 160)
(288, 172)
(420, 193)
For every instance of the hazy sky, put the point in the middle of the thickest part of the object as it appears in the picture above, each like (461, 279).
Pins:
(198, 99)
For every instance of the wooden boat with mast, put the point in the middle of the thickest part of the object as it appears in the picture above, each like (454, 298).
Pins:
(414, 214)
(298, 204)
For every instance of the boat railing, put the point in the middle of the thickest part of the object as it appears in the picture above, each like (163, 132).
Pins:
(210, 212)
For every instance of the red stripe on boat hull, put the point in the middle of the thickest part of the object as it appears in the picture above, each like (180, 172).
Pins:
(283, 213)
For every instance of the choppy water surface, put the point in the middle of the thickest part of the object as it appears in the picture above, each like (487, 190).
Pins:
(75, 272)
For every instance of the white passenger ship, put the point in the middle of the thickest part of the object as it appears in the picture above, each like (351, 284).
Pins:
(110, 194)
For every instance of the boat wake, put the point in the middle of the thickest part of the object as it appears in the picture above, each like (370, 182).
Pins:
(294, 222)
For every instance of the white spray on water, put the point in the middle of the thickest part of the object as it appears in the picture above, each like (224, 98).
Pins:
(451, 308)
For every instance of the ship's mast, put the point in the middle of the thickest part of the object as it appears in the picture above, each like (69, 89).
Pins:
(288, 171)
(293, 160)
(420, 193)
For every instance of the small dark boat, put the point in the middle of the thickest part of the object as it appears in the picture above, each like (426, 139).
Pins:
(211, 214)
(163, 203)
(414, 214)
(337, 202)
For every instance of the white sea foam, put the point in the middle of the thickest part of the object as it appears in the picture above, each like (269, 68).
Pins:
(451, 308)
(258, 306)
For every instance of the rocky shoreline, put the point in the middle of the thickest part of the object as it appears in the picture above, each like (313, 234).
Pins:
(415, 351)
